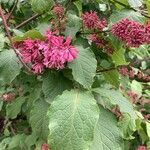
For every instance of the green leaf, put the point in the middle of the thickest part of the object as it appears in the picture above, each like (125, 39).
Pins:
(84, 67)
(14, 108)
(118, 57)
(17, 141)
(73, 116)
(136, 87)
(148, 6)
(73, 26)
(78, 4)
(112, 77)
(54, 84)
(1, 104)
(135, 3)
(31, 140)
(38, 118)
(109, 98)
(9, 66)
(148, 128)
(107, 135)
(4, 143)
(130, 14)
(33, 34)
(128, 126)
(2, 41)
(40, 6)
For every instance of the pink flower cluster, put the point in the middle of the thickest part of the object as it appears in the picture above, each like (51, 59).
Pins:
(92, 21)
(102, 43)
(131, 32)
(142, 148)
(53, 53)
(132, 74)
(59, 10)
(133, 96)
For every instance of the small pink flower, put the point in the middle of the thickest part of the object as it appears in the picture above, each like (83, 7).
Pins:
(147, 30)
(90, 19)
(38, 68)
(59, 10)
(142, 148)
(102, 24)
(124, 71)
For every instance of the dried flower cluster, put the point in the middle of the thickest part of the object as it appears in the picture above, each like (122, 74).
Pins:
(102, 43)
(59, 10)
(92, 21)
(53, 53)
(132, 74)
(59, 22)
(131, 32)
(142, 148)
(8, 97)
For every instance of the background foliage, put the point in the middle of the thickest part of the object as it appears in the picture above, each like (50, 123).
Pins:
(89, 105)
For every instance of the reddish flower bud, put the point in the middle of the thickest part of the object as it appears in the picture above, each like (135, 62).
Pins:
(142, 148)
(45, 146)
(59, 10)
(8, 97)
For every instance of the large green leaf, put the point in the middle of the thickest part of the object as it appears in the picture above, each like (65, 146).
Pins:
(118, 57)
(54, 84)
(14, 108)
(130, 14)
(2, 41)
(38, 118)
(127, 125)
(17, 142)
(107, 135)
(33, 34)
(9, 66)
(40, 6)
(73, 116)
(84, 67)
(148, 6)
(109, 98)
(73, 26)
(112, 77)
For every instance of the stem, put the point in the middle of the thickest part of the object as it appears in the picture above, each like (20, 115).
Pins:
(12, 10)
(27, 21)
(11, 42)
(105, 70)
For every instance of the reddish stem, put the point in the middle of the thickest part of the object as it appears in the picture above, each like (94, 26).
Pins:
(10, 39)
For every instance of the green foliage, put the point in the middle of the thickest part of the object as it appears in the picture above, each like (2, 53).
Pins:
(87, 105)
(38, 119)
(14, 108)
(54, 84)
(84, 68)
(74, 129)
(9, 66)
(41, 6)
(107, 136)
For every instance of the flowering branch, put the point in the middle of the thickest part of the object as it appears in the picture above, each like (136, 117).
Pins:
(12, 10)
(10, 39)
(105, 70)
